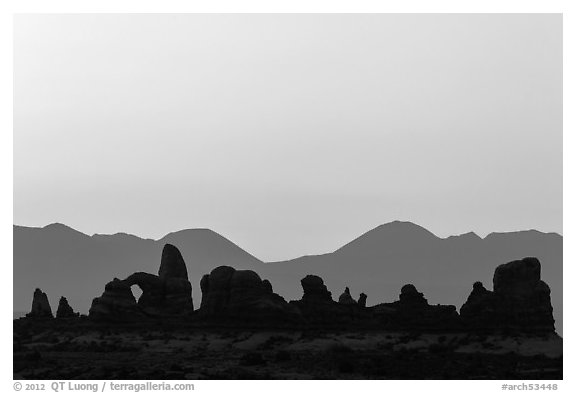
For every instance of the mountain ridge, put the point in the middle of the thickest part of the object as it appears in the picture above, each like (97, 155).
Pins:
(66, 262)
(200, 229)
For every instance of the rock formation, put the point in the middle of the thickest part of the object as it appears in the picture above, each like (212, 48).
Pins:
(168, 293)
(242, 295)
(64, 309)
(315, 290)
(215, 289)
(520, 300)
(346, 298)
(362, 300)
(172, 264)
(116, 303)
(412, 311)
(267, 286)
(318, 307)
(152, 297)
(40, 306)
(479, 309)
(410, 297)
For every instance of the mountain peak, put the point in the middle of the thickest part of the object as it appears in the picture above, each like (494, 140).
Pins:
(196, 231)
(392, 235)
(403, 227)
(57, 227)
(214, 244)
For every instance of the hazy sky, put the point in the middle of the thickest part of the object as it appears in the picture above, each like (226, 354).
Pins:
(288, 134)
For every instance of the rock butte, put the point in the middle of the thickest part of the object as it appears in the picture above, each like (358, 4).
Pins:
(167, 294)
(40, 306)
(346, 298)
(65, 310)
(520, 300)
(242, 295)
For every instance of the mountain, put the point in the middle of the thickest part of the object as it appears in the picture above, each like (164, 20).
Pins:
(385, 258)
(63, 261)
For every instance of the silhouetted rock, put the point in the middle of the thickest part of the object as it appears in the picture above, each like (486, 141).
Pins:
(178, 296)
(64, 309)
(362, 300)
(517, 278)
(520, 301)
(412, 311)
(410, 297)
(243, 295)
(116, 303)
(216, 290)
(40, 306)
(267, 286)
(246, 287)
(346, 298)
(169, 293)
(479, 310)
(315, 290)
(478, 295)
(204, 287)
(152, 298)
(318, 307)
(172, 264)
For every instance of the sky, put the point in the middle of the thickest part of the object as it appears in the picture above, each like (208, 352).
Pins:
(289, 134)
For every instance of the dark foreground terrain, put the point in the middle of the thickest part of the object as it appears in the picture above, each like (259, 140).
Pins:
(244, 330)
(82, 349)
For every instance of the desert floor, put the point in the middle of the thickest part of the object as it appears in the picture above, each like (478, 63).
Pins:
(59, 350)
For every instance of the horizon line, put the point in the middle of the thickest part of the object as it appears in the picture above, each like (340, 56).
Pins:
(303, 255)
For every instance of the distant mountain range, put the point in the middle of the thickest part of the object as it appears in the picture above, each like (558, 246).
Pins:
(66, 262)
